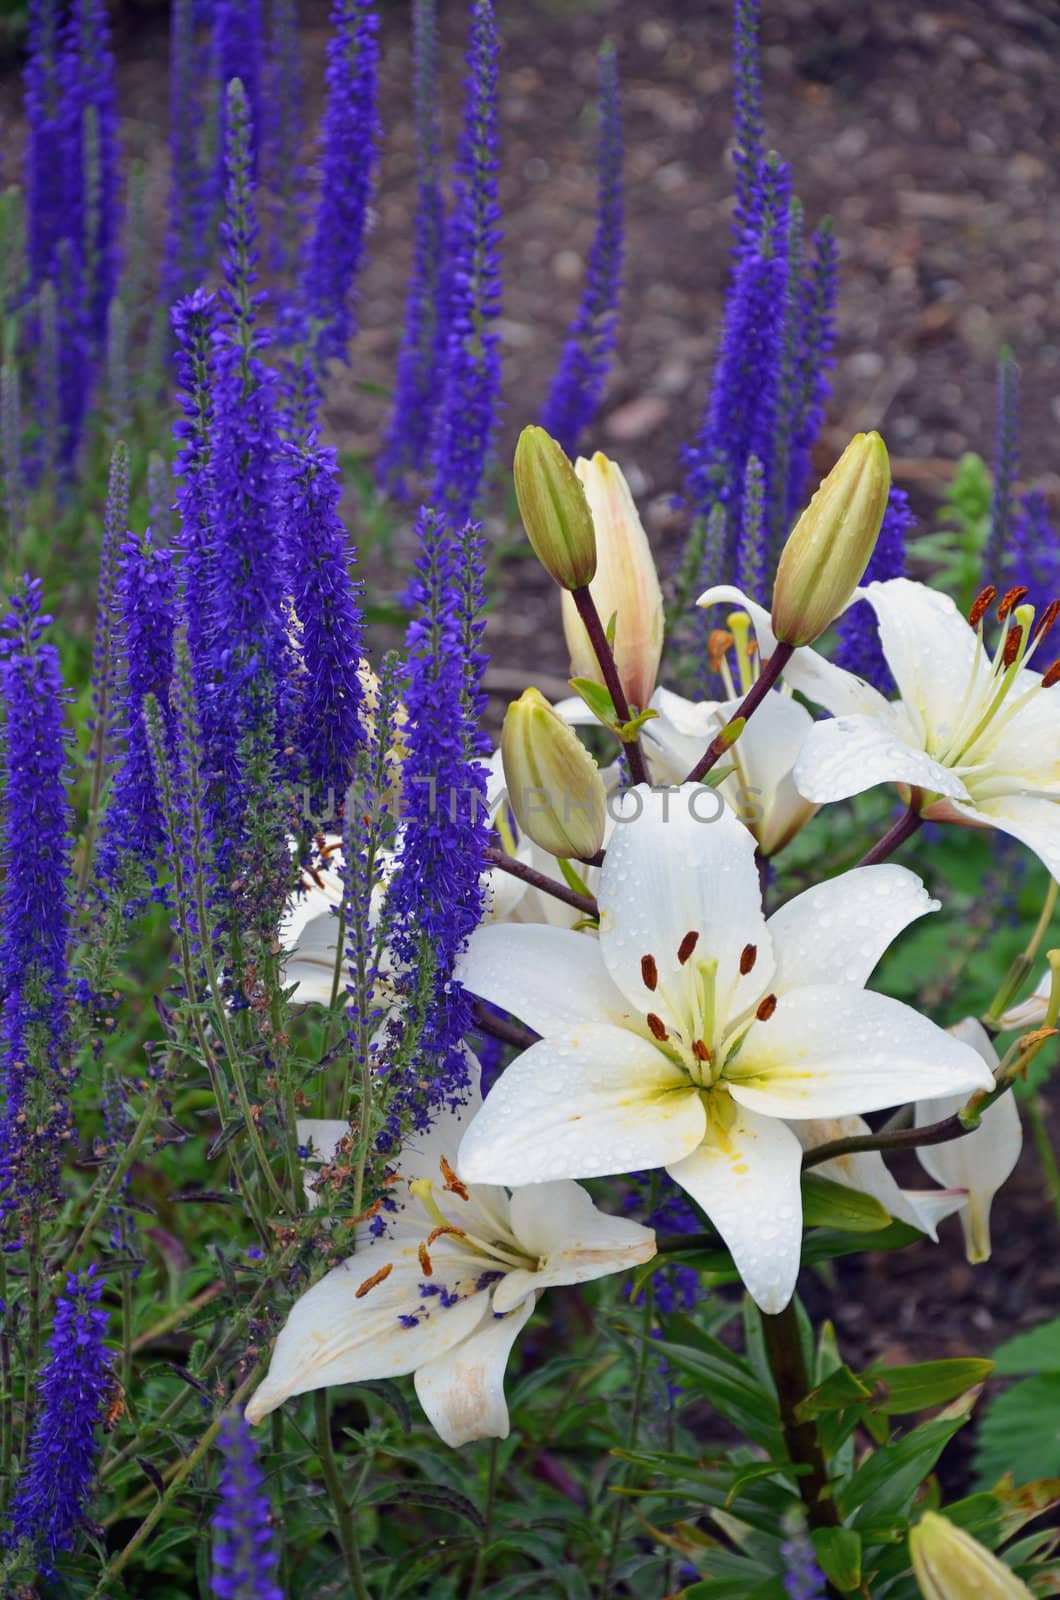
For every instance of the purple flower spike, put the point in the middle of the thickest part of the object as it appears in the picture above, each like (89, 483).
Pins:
(244, 1558)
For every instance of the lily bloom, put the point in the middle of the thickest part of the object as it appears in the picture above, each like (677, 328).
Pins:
(974, 736)
(866, 1171)
(693, 1030)
(443, 1290)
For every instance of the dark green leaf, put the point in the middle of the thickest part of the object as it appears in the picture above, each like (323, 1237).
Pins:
(839, 1556)
(1038, 1350)
(839, 1390)
(897, 1390)
(882, 1490)
(1021, 1426)
(832, 1205)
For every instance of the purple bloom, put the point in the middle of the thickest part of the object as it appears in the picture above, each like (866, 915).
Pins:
(34, 910)
(1034, 552)
(814, 341)
(195, 327)
(239, 52)
(436, 898)
(748, 139)
(95, 217)
(325, 603)
(1006, 463)
(46, 156)
(192, 190)
(803, 1578)
(73, 1389)
(244, 1559)
(859, 639)
(350, 137)
(469, 403)
(281, 136)
(578, 385)
(423, 343)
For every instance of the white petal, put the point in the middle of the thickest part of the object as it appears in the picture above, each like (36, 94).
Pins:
(462, 1390)
(550, 978)
(323, 1136)
(847, 755)
(931, 650)
(311, 964)
(1033, 819)
(1030, 1013)
(836, 931)
(981, 1161)
(584, 1104)
(422, 1152)
(747, 1179)
(764, 783)
(866, 1171)
(668, 874)
(830, 1051)
(573, 1241)
(332, 1337)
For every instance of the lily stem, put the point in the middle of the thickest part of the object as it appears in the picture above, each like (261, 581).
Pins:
(903, 829)
(783, 1339)
(344, 1517)
(539, 880)
(768, 676)
(586, 606)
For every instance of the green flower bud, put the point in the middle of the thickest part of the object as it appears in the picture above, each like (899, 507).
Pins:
(554, 785)
(950, 1565)
(829, 547)
(554, 509)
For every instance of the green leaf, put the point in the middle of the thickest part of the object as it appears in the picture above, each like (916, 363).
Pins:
(628, 731)
(839, 1390)
(825, 1244)
(838, 1553)
(832, 1205)
(735, 1589)
(1022, 1425)
(897, 1390)
(726, 1381)
(1038, 1350)
(882, 1489)
(597, 699)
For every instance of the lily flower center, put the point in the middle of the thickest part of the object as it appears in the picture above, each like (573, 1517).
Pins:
(498, 1249)
(989, 703)
(700, 1035)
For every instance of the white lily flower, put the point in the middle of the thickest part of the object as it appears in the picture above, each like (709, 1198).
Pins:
(691, 1032)
(761, 789)
(978, 735)
(309, 927)
(866, 1171)
(981, 1160)
(445, 1291)
(1031, 1012)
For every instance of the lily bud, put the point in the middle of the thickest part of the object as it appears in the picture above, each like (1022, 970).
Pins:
(554, 785)
(829, 547)
(950, 1565)
(554, 509)
(626, 586)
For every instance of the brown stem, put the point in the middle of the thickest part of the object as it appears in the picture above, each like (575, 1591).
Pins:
(586, 606)
(502, 1027)
(784, 1348)
(540, 880)
(893, 1139)
(903, 829)
(768, 676)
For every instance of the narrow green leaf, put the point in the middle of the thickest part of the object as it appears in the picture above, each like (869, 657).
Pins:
(881, 1491)
(832, 1205)
(897, 1390)
(838, 1553)
(839, 1390)
(597, 699)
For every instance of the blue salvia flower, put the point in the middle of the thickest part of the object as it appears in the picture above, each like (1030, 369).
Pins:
(325, 604)
(436, 899)
(283, 172)
(748, 139)
(46, 166)
(750, 569)
(859, 639)
(92, 113)
(146, 596)
(423, 342)
(1034, 551)
(73, 1391)
(578, 385)
(195, 322)
(469, 403)
(1006, 462)
(349, 140)
(191, 191)
(239, 52)
(244, 1557)
(34, 909)
(803, 1578)
(814, 342)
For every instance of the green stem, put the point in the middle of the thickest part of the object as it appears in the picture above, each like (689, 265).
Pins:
(481, 1555)
(1043, 1145)
(783, 1341)
(344, 1517)
(586, 608)
(1022, 964)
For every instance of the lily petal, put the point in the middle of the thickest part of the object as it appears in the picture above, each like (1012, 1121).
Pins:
(866, 1171)
(830, 1050)
(932, 652)
(323, 1135)
(585, 1104)
(574, 1242)
(1033, 819)
(837, 931)
(847, 755)
(746, 1177)
(462, 1390)
(550, 978)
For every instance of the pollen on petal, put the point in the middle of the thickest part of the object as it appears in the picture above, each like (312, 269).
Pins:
(649, 972)
(983, 602)
(370, 1283)
(687, 945)
(766, 1008)
(657, 1026)
(748, 957)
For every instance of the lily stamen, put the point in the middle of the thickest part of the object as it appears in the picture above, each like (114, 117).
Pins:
(370, 1283)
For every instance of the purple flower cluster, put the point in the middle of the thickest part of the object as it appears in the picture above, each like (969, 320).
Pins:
(469, 402)
(349, 138)
(1034, 551)
(420, 357)
(34, 909)
(73, 1391)
(244, 1559)
(239, 52)
(859, 638)
(578, 385)
(803, 1578)
(283, 172)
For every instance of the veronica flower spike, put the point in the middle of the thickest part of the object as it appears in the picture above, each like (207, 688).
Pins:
(444, 1291)
(693, 1030)
(974, 736)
